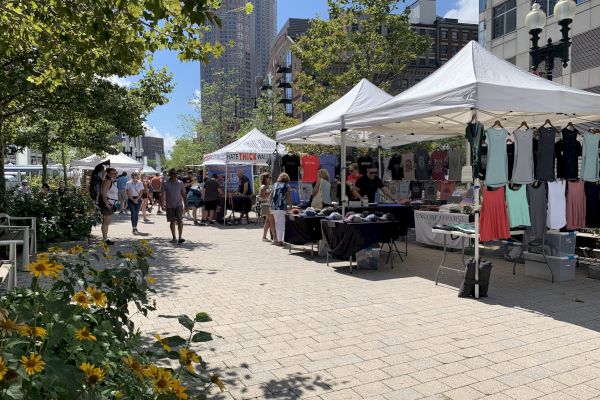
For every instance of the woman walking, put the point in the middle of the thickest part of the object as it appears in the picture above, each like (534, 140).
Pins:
(194, 199)
(280, 201)
(264, 197)
(145, 197)
(134, 189)
(109, 195)
(322, 190)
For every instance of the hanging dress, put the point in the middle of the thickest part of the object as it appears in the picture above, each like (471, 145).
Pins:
(557, 205)
(545, 154)
(494, 220)
(523, 164)
(538, 203)
(518, 209)
(497, 162)
(568, 151)
(589, 163)
(575, 205)
(592, 200)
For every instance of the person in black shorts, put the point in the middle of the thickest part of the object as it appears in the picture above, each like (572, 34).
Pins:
(210, 196)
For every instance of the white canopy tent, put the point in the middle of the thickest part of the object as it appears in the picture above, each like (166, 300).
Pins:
(148, 170)
(119, 161)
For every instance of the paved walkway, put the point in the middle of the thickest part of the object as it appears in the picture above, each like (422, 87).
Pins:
(290, 327)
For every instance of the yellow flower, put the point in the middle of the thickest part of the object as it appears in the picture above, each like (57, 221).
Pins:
(135, 366)
(8, 326)
(44, 266)
(188, 357)
(83, 334)
(3, 369)
(151, 280)
(75, 249)
(179, 390)
(129, 255)
(82, 299)
(55, 249)
(163, 342)
(163, 381)
(92, 373)
(146, 246)
(97, 296)
(105, 247)
(32, 331)
(32, 364)
(43, 256)
(151, 371)
(118, 395)
(217, 381)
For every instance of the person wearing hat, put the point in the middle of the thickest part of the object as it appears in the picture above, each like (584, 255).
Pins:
(171, 199)
(369, 184)
(24, 188)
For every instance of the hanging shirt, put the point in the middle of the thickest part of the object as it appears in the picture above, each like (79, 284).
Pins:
(310, 166)
(589, 163)
(510, 158)
(290, 164)
(496, 173)
(446, 189)
(329, 162)
(592, 199)
(523, 164)
(416, 190)
(438, 165)
(430, 189)
(408, 166)
(276, 165)
(575, 205)
(421, 164)
(364, 162)
(395, 167)
(557, 205)
(568, 150)
(387, 174)
(404, 191)
(518, 209)
(538, 203)
(545, 156)
(475, 134)
(456, 160)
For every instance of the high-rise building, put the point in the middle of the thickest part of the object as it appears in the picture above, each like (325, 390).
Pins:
(253, 37)
(153, 147)
(502, 30)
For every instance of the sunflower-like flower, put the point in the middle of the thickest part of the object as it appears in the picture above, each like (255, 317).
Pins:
(92, 373)
(151, 280)
(217, 381)
(104, 247)
(8, 326)
(179, 390)
(163, 342)
(151, 371)
(97, 296)
(82, 299)
(187, 357)
(32, 364)
(146, 246)
(130, 255)
(75, 250)
(118, 395)
(84, 334)
(55, 249)
(133, 364)
(32, 331)
(3, 369)
(163, 381)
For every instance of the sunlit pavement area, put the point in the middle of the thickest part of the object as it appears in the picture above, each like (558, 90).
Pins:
(287, 326)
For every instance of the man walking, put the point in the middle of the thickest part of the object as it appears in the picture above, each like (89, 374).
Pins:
(172, 197)
(156, 184)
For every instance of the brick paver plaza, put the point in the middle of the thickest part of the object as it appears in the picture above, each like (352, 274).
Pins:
(288, 326)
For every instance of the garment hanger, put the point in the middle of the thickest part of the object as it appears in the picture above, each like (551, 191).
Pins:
(473, 118)
(497, 123)
(570, 126)
(523, 124)
(547, 122)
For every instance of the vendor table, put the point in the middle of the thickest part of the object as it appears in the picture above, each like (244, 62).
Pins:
(345, 239)
(463, 238)
(239, 204)
(403, 214)
(301, 230)
(426, 220)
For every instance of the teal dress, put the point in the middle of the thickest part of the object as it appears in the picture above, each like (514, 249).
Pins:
(518, 208)
(589, 162)
(496, 173)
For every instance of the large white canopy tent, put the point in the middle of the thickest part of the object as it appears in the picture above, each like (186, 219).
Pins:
(119, 161)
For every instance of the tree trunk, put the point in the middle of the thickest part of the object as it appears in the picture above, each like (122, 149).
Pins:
(44, 167)
(64, 162)
(2, 180)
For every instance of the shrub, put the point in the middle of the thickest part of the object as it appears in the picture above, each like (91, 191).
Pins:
(60, 218)
(76, 339)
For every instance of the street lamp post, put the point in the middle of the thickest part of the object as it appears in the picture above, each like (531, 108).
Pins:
(564, 12)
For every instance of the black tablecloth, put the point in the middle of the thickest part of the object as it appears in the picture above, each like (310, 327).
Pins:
(302, 230)
(241, 204)
(346, 239)
(403, 214)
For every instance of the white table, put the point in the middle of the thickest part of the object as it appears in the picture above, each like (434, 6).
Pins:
(426, 220)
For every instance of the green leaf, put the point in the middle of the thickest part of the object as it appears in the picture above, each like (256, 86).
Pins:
(201, 336)
(186, 322)
(202, 317)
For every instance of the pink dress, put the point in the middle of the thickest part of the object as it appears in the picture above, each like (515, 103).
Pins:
(575, 205)
(494, 218)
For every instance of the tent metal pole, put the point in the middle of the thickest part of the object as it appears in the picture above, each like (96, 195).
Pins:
(343, 197)
(476, 187)
(225, 202)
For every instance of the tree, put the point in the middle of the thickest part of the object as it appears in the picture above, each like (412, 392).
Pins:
(362, 39)
(187, 150)
(268, 117)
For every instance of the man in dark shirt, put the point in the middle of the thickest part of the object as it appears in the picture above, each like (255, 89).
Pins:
(369, 184)
(245, 186)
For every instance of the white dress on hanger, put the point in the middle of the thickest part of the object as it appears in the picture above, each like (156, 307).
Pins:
(557, 205)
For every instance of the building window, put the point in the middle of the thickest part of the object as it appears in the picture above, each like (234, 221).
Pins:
(465, 36)
(431, 33)
(547, 6)
(431, 62)
(505, 18)
(422, 61)
(454, 50)
(482, 5)
(444, 34)
(444, 49)
(454, 35)
(580, 1)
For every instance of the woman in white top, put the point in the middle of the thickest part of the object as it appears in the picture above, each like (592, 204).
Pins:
(265, 205)
(322, 190)
(135, 189)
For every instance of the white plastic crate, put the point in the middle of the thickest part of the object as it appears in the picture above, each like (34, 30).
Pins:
(563, 267)
(368, 258)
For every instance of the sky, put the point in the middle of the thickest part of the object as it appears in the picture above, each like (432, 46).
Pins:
(165, 122)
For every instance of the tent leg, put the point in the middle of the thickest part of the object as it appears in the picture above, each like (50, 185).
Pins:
(477, 231)
(225, 202)
(343, 197)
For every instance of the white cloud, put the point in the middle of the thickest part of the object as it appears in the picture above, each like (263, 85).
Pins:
(117, 80)
(465, 11)
(169, 138)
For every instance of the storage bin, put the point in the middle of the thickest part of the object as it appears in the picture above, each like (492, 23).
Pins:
(557, 244)
(563, 267)
(368, 258)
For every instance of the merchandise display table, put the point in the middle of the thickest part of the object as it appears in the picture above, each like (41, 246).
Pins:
(300, 230)
(426, 220)
(345, 239)
(463, 238)
(402, 214)
(241, 205)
